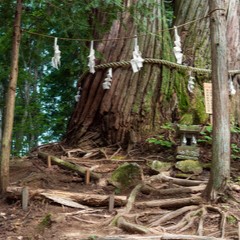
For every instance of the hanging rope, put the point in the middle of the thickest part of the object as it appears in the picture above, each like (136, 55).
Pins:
(156, 61)
(121, 38)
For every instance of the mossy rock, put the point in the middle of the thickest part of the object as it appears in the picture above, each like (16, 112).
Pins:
(189, 166)
(160, 166)
(126, 176)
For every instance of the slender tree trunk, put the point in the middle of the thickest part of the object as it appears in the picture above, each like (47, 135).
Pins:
(233, 37)
(20, 133)
(1, 113)
(220, 170)
(10, 102)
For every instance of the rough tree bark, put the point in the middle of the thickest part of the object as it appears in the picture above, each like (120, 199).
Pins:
(10, 102)
(233, 37)
(134, 103)
(220, 170)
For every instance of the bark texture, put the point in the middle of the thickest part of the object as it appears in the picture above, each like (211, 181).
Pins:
(220, 170)
(10, 102)
(136, 102)
(233, 37)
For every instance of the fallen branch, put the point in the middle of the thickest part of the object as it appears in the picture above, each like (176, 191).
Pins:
(67, 165)
(83, 198)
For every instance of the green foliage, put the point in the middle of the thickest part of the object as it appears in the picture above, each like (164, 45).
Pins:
(45, 96)
(161, 140)
(231, 219)
(206, 135)
(46, 222)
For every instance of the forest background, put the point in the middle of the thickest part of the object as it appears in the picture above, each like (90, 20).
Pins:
(45, 96)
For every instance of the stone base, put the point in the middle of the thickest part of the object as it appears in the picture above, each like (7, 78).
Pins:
(185, 157)
(191, 151)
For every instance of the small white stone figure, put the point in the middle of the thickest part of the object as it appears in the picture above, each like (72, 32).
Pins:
(194, 140)
(232, 90)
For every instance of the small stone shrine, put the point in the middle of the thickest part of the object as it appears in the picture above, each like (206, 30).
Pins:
(188, 148)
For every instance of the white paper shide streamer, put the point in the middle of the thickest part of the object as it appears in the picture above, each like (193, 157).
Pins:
(91, 62)
(77, 97)
(57, 55)
(137, 61)
(108, 80)
(177, 47)
(191, 84)
(232, 90)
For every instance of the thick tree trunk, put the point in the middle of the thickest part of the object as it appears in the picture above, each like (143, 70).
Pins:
(133, 104)
(10, 102)
(220, 170)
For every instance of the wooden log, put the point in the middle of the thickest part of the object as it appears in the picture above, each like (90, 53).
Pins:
(67, 165)
(83, 198)
(171, 203)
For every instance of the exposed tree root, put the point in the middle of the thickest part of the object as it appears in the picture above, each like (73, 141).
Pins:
(171, 203)
(129, 205)
(164, 236)
(201, 221)
(132, 228)
(173, 215)
(146, 189)
(178, 181)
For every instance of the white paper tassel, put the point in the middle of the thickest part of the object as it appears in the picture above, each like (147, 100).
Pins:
(77, 97)
(107, 81)
(191, 84)
(232, 90)
(91, 62)
(57, 55)
(177, 47)
(137, 61)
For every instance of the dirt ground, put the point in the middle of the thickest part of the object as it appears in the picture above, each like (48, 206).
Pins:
(46, 219)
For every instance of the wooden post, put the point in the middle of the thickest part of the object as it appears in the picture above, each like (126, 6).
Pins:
(10, 102)
(220, 170)
(25, 198)
(49, 161)
(87, 177)
(111, 203)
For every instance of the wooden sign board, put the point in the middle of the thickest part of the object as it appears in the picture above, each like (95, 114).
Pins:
(208, 97)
